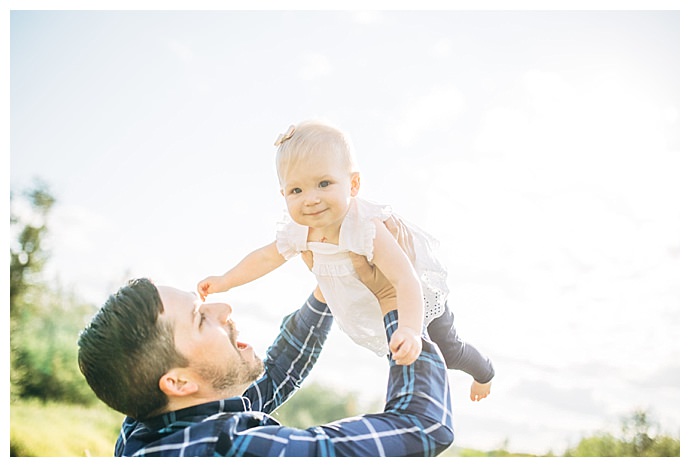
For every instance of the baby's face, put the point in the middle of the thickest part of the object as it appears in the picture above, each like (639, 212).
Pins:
(318, 190)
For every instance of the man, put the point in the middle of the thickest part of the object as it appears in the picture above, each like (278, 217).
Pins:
(173, 365)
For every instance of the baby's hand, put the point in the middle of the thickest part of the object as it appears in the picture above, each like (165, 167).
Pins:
(405, 345)
(479, 391)
(212, 284)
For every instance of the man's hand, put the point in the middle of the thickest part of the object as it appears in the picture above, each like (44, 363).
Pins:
(308, 258)
(371, 276)
(374, 279)
(401, 235)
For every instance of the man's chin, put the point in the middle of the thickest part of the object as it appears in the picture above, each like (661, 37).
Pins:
(258, 369)
(253, 369)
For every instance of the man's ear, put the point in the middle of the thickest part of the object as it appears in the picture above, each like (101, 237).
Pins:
(177, 383)
(354, 184)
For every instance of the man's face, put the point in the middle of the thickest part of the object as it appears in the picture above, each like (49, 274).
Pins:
(207, 337)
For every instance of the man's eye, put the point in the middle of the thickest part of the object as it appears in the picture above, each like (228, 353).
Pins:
(324, 184)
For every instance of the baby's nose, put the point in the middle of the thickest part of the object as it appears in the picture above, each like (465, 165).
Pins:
(312, 197)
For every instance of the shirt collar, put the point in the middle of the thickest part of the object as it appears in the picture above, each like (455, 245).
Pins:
(198, 412)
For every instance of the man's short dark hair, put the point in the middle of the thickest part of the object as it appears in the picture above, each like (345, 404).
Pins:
(125, 350)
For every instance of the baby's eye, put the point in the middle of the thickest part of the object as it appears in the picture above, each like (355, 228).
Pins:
(324, 184)
(296, 191)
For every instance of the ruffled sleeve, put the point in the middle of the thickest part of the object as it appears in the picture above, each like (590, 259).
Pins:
(358, 230)
(291, 238)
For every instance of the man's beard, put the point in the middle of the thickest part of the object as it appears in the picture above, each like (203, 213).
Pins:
(222, 379)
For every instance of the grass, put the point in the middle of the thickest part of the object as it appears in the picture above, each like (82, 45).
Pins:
(59, 430)
(456, 451)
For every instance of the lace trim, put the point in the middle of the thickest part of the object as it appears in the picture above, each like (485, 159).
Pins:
(333, 269)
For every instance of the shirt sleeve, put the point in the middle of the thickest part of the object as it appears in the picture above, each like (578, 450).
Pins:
(358, 230)
(416, 421)
(291, 238)
(291, 356)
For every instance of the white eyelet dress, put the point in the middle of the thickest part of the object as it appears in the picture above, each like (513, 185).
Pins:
(353, 305)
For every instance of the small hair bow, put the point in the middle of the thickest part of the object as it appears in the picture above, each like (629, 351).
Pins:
(284, 137)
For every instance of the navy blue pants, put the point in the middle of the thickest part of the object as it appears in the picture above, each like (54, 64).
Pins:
(459, 355)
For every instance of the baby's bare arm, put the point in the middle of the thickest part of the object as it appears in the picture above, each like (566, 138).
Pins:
(256, 264)
(406, 342)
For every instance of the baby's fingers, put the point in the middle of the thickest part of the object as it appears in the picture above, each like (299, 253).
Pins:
(201, 289)
(403, 354)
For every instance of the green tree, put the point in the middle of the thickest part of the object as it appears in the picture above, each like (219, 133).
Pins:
(315, 404)
(44, 351)
(27, 257)
(638, 437)
(44, 320)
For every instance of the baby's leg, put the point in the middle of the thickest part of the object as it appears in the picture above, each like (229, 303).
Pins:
(459, 355)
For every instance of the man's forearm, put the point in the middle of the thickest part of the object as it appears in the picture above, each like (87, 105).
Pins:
(417, 420)
(292, 355)
(418, 411)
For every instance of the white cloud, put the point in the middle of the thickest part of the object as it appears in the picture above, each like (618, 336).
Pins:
(75, 228)
(78, 242)
(439, 109)
(503, 129)
(182, 51)
(316, 66)
(366, 17)
(442, 49)
(551, 116)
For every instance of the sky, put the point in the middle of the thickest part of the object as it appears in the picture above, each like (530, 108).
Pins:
(542, 148)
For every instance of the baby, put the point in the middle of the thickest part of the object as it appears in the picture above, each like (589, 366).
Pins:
(320, 181)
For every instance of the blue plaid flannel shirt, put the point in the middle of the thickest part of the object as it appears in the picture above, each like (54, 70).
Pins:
(417, 420)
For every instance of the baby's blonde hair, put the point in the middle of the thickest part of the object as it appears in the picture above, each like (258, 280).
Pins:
(313, 138)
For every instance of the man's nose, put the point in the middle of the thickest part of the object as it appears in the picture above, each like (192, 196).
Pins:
(219, 311)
